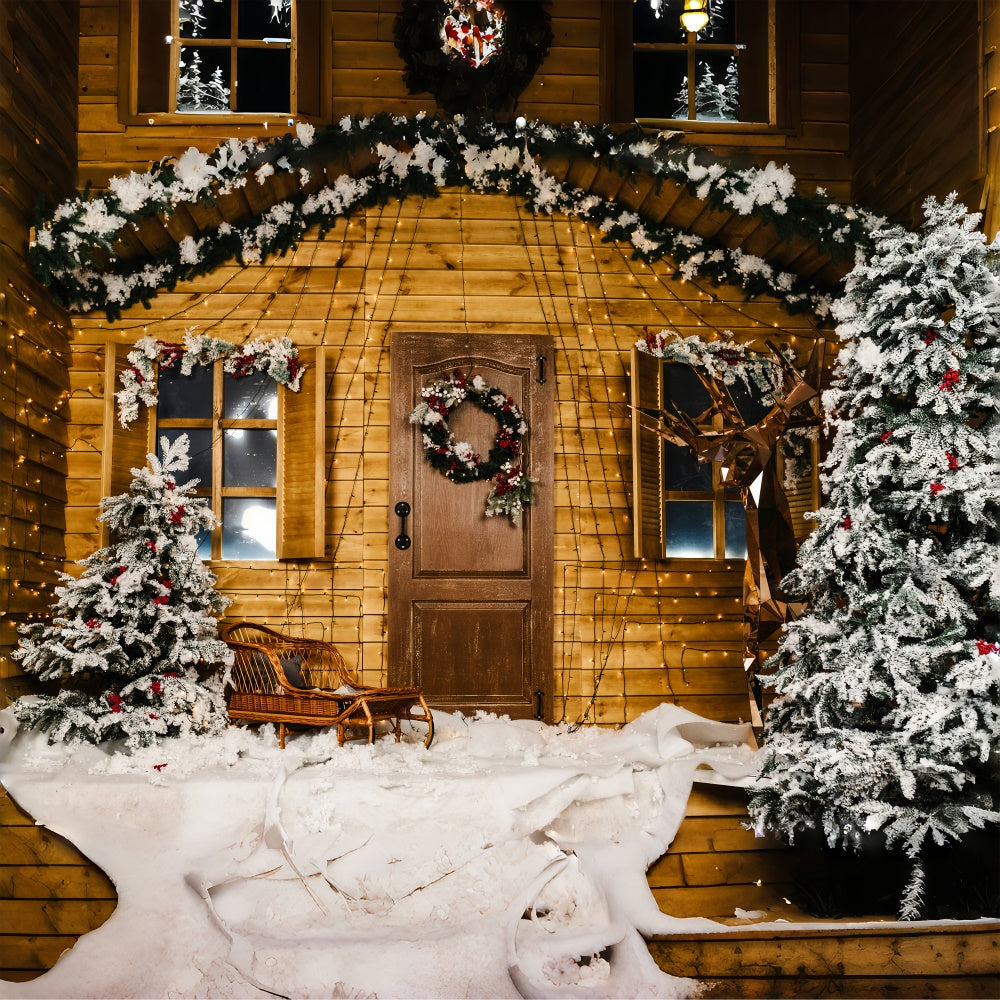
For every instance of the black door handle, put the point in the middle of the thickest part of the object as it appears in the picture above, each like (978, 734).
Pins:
(541, 369)
(539, 705)
(403, 512)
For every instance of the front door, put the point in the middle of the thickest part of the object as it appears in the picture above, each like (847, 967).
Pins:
(470, 596)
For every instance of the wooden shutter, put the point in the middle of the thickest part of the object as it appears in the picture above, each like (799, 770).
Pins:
(647, 457)
(125, 448)
(803, 496)
(148, 54)
(312, 64)
(301, 467)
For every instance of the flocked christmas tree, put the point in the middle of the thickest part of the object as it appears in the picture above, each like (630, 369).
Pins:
(888, 715)
(128, 636)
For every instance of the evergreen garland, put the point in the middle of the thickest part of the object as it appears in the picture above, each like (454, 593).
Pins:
(74, 250)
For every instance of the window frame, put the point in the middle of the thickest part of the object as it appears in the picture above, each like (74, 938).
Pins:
(783, 88)
(217, 424)
(301, 470)
(649, 471)
(310, 63)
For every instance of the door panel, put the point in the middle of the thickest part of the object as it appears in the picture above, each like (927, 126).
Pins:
(470, 601)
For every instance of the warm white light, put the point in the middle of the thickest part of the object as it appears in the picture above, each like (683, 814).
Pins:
(695, 15)
(258, 523)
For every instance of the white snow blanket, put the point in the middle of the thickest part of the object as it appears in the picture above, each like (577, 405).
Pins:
(508, 860)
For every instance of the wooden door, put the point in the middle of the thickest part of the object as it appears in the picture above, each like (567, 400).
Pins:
(470, 599)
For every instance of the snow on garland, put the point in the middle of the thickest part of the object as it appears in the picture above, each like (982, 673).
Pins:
(731, 363)
(455, 460)
(73, 251)
(276, 357)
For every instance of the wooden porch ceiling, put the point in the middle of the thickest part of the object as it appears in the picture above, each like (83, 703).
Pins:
(658, 200)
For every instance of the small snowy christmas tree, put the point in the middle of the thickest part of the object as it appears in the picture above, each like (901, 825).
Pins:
(888, 714)
(127, 636)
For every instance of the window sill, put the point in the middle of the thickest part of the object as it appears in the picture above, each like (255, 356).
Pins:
(689, 125)
(282, 121)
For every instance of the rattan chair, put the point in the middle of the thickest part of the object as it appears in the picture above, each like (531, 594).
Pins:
(305, 682)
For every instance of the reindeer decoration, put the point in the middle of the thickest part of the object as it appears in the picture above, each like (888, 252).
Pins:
(748, 454)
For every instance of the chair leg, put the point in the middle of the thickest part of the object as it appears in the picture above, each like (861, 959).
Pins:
(340, 734)
(281, 735)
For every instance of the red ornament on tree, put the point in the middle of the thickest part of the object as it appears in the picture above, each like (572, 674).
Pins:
(847, 523)
(885, 437)
(952, 461)
(951, 378)
(985, 647)
(930, 336)
(115, 701)
(936, 488)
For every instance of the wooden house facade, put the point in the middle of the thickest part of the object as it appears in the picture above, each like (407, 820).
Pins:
(583, 627)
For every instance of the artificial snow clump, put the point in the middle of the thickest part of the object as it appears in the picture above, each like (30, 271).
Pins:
(887, 719)
(130, 639)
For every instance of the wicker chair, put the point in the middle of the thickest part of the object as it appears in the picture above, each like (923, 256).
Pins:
(305, 682)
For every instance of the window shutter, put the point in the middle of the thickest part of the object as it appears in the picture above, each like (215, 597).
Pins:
(125, 448)
(803, 496)
(647, 457)
(311, 66)
(301, 452)
(151, 22)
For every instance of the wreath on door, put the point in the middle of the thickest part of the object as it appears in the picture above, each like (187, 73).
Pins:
(472, 53)
(457, 461)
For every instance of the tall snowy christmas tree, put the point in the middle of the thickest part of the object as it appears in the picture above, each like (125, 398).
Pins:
(888, 714)
(127, 637)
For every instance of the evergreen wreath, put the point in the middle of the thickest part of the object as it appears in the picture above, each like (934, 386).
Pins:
(431, 37)
(455, 460)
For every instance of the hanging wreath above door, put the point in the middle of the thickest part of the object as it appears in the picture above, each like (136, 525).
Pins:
(456, 460)
(472, 54)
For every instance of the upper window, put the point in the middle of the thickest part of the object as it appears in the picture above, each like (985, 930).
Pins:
(723, 72)
(226, 57)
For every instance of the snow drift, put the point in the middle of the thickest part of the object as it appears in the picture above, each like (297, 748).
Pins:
(507, 860)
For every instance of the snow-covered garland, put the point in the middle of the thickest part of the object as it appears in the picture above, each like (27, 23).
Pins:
(73, 251)
(510, 492)
(731, 363)
(276, 357)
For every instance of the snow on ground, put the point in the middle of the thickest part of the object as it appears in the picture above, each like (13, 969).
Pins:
(507, 860)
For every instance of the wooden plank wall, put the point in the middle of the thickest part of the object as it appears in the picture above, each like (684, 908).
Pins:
(367, 77)
(48, 891)
(916, 122)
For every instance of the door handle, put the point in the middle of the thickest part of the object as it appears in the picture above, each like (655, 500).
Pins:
(403, 512)
(541, 369)
(539, 705)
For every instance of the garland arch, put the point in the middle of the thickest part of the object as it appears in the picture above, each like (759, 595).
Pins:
(75, 249)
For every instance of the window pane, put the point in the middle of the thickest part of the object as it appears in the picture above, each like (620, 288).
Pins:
(689, 529)
(647, 27)
(265, 19)
(264, 79)
(204, 538)
(658, 81)
(248, 528)
(250, 397)
(749, 401)
(250, 458)
(683, 471)
(204, 18)
(736, 531)
(683, 388)
(199, 453)
(203, 80)
(184, 396)
(717, 88)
